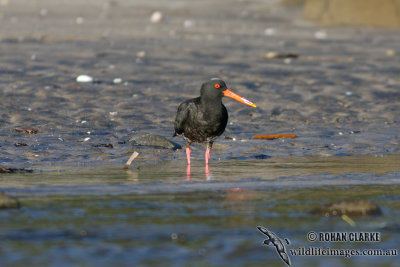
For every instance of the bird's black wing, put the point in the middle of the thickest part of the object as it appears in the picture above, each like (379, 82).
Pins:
(181, 116)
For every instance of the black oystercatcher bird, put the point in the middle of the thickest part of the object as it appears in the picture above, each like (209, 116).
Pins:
(203, 119)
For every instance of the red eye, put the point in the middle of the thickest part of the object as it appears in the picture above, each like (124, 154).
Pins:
(217, 85)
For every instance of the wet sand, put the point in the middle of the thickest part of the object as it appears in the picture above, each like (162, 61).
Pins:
(339, 97)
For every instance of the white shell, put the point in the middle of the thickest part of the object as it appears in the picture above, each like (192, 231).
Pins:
(156, 17)
(84, 79)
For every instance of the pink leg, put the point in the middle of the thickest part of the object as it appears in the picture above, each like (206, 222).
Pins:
(207, 156)
(188, 151)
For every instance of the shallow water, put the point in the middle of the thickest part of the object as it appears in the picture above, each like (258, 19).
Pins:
(151, 215)
(79, 208)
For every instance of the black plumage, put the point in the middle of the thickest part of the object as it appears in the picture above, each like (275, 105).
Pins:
(204, 118)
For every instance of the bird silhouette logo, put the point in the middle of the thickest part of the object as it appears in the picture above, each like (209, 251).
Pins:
(274, 240)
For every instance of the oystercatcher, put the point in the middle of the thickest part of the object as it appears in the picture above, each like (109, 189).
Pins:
(203, 119)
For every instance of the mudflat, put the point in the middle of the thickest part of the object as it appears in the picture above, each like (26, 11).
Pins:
(339, 95)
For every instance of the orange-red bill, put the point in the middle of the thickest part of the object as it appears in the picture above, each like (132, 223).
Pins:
(231, 94)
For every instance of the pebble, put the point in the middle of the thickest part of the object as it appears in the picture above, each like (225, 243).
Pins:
(390, 52)
(348, 93)
(269, 31)
(141, 54)
(271, 55)
(43, 12)
(287, 61)
(117, 80)
(188, 23)
(84, 79)
(86, 139)
(156, 17)
(320, 35)
(79, 20)
(174, 236)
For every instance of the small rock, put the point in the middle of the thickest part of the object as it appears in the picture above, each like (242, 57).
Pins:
(271, 55)
(43, 12)
(104, 145)
(141, 54)
(320, 35)
(269, 31)
(350, 208)
(390, 52)
(117, 80)
(84, 79)
(156, 17)
(348, 93)
(188, 23)
(153, 140)
(7, 202)
(79, 20)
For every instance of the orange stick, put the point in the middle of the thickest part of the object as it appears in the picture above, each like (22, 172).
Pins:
(273, 136)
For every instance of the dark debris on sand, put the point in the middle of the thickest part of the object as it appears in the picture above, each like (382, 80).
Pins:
(14, 170)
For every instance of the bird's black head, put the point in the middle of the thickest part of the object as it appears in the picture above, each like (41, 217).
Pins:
(213, 89)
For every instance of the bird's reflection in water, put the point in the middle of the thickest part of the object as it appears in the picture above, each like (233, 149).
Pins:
(188, 172)
(206, 171)
(132, 176)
